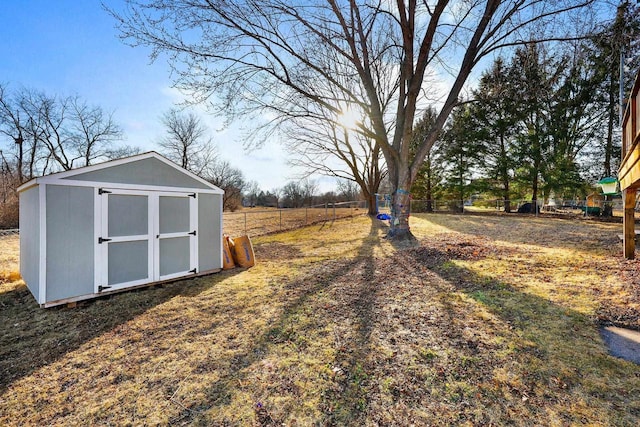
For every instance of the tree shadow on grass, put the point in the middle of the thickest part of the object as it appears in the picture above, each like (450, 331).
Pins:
(557, 349)
(532, 331)
(33, 337)
(531, 345)
(531, 325)
(515, 366)
(345, 402)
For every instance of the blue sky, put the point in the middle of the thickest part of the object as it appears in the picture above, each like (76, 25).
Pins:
(71, 47)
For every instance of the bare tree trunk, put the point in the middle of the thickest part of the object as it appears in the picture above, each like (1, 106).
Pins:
(20, 165)
(400, 211)
(534, 196)
(400, 204)
(33, 151)
(371, 204)
(504, 174)
(429, 192)
(610, 123)
(506, 196)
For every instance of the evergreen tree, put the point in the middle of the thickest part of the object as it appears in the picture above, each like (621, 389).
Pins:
(429, 179)
(462, 151)
(575, 121)
(619, 39)
(532, 84)
(493, 120)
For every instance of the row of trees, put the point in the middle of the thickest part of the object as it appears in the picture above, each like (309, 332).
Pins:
(41, 133)
(540, 122)
(51, 133)
(188, 143)
(298, 194)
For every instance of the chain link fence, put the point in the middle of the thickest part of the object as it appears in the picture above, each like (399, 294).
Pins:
(422, 206)
(594, 206)
(585, 207)
(259, 221)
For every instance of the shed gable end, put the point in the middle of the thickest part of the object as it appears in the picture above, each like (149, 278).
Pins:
(149, 171)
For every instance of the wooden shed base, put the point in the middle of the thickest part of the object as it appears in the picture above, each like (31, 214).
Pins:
(72, 302)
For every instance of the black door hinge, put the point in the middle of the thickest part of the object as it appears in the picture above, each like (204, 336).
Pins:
(194, 271)
(103, 191)
(102, 288)
(193, 233)
(101, 240)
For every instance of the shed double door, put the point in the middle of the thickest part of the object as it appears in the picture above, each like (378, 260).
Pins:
(144, 237)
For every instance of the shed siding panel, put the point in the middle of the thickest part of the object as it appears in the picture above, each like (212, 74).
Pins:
(174, 214)
(30, 239)
(128, 261)
(70, 246)
(142, 172)
(174, 255)
(210, 232)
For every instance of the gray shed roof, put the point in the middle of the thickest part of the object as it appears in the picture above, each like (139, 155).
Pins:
(149, 171)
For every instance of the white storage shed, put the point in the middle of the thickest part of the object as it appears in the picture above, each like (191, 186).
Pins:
(117, 225)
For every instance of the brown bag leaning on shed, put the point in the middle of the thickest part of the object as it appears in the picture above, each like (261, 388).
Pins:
(227, 254)
(242, 251)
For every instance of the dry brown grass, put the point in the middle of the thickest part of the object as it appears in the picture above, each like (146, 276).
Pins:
(486, 321)
(9, 258)
(251, 221)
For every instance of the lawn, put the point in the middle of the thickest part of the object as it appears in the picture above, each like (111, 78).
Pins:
(488, 320)
(9, 257)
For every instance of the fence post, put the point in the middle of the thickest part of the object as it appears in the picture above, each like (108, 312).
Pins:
(245, 223)
(280, 219)
(334, 211)
(306, 216)
(326, 211)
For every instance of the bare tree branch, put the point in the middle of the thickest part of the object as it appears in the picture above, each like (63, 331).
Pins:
(272, 64)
